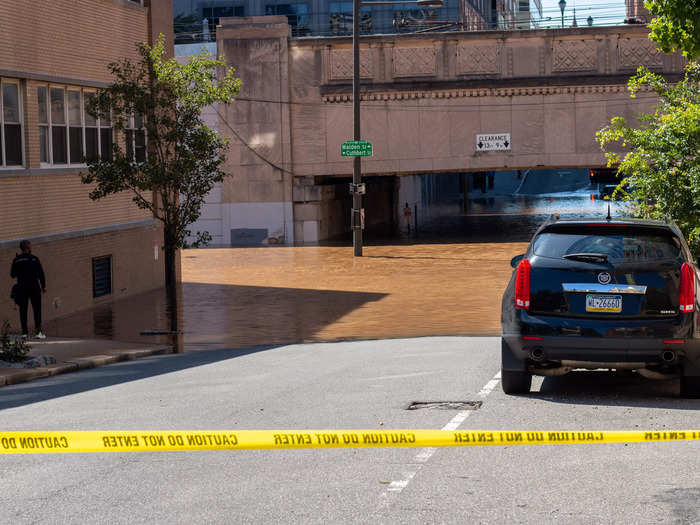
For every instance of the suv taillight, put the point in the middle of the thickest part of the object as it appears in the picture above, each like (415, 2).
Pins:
(687, 288)
(522, 285)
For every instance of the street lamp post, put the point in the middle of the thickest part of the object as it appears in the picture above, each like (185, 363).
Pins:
(562, 6)
(357, 167)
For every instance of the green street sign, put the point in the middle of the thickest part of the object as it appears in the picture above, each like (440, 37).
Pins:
(356, 148)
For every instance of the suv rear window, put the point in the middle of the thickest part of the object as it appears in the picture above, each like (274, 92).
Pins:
(619, 246)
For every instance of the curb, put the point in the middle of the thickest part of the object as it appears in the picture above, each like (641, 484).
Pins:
(13, 376)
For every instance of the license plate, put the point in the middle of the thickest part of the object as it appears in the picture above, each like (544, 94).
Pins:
(604, 303)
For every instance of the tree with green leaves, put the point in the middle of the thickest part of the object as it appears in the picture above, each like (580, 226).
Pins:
(163, 153)
(676, 26)
(661, 166)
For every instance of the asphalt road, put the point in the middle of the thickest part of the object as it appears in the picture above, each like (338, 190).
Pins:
(348, 385)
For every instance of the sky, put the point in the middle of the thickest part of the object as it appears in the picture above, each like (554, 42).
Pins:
(604, 12)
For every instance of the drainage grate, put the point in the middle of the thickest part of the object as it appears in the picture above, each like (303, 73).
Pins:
(445, 405)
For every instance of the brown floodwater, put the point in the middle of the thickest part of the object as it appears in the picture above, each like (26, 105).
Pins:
(447, 278)
(239, 297)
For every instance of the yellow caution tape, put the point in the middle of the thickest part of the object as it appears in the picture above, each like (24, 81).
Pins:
(156, 440)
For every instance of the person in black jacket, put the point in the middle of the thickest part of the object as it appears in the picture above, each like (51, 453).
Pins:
(31, 283)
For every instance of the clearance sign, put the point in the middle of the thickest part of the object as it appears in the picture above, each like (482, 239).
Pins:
(159, 440)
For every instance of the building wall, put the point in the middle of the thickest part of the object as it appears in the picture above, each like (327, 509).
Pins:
(34, 205)
(67, 263)
(256, 198)
(160, 22)
(636, 12)
(69, 39)
(426, 97)
(68, 44)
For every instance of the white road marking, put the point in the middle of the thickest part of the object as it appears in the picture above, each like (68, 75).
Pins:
(399, 376)
(488, 388)
(426, 453)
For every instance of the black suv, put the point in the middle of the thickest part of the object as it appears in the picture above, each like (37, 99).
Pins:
(594, 293)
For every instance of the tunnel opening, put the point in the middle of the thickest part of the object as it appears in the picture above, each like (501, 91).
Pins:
(379, 204)
(478, 206)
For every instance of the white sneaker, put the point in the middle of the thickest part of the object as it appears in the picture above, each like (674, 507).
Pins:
(40, 335)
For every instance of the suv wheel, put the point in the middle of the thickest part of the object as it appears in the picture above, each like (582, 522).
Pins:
(516, 382)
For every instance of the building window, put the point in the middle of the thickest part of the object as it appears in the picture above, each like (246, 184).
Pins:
(411, 20)
(297, 15)
(340, 20)
(68, 134)
(101, 276)
(135, 138)
(10, 124)
(213, 14)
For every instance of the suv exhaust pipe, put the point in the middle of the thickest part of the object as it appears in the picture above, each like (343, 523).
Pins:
(668, 357)
(537, 354)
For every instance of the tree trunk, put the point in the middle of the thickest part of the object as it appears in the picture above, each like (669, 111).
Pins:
(171, 291)
(170, 268)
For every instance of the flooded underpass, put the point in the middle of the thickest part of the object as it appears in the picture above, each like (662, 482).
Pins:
(505, 206)
(443, 277)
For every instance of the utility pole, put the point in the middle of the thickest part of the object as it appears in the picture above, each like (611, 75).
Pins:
(357, 187)
(356, 171)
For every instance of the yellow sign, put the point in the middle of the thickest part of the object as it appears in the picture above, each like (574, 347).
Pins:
(159, 440)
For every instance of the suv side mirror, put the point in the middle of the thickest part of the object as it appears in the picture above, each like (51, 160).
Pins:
(515, 261)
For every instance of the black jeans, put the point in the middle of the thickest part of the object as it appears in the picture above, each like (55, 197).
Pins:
(23, 299)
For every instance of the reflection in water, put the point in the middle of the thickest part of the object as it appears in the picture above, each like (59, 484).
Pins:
(122, 320)
(103, 321)
(566, 204)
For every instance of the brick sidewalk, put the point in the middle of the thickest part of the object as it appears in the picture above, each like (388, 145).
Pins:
(77, 354)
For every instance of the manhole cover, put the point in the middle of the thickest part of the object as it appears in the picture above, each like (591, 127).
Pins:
(445, 405)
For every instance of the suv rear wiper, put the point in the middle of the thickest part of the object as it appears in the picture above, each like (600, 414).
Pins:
(593, 257)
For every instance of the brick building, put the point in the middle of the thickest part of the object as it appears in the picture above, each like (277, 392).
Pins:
(636, 12)
(53, 56)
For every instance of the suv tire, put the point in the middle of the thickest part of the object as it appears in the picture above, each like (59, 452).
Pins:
(514, 383)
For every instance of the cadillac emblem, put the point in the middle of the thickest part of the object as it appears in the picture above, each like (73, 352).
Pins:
(604, 278)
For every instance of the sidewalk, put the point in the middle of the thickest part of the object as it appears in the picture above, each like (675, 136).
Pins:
(76, 354)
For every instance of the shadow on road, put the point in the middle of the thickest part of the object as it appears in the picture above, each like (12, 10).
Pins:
(614, 389)
(74, 383)
(683, 504)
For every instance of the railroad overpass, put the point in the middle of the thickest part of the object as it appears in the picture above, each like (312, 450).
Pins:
(425, 98)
